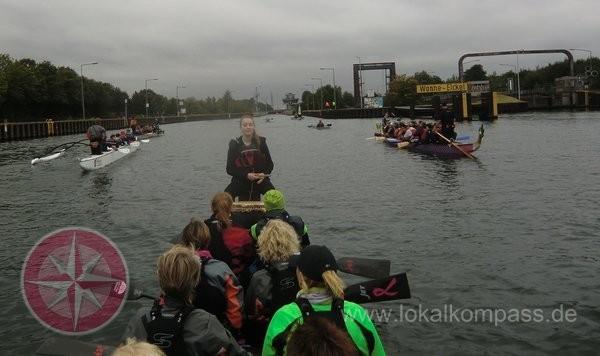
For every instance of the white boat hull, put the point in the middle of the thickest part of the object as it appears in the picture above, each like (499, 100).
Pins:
(94, 162)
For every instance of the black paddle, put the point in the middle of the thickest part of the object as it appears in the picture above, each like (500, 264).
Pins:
(379, 290)
(72, 347)
(376, 290)
(366, 267)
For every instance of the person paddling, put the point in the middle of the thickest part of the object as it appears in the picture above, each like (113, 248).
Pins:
(321, 295)
(173, 323)
(97, 136)
(219, 291)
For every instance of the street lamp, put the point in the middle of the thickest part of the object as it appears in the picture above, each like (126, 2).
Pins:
(177, 97)
(334, 90)
(517, 73)
(147, 80)
(313, 93)
(228, 100)
(321, 87)
(360, 82)
(82, 96)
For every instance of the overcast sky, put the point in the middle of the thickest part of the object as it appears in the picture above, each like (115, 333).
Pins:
(279, 45)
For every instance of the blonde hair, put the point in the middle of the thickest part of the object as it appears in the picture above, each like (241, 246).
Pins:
(331, 281)
(277, 241)
(178, 273)
(196, 235)
(255, 136)
(221, 206)
(134, 347)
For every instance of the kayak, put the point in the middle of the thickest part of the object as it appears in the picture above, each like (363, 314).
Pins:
(48, 158)
(94, 162)
(328, 126)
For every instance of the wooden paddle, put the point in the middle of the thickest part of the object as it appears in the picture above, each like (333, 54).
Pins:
(455, 145)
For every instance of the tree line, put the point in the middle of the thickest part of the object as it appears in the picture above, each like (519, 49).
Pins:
(31, 91)
(402, 88)
(35, 91)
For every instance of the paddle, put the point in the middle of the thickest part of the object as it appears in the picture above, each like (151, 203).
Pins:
(376, 290)
(455, 145)
(379, 290)
(48, 156)
(72, 347)
(366, 267)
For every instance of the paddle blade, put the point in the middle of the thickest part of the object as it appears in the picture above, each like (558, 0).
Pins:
(366, 267)
(71, 346)
(403, 144)
(379, 290)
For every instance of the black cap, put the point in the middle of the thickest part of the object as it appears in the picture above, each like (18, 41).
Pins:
(313, 260)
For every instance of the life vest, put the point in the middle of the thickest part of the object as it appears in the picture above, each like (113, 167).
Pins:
(285, 286)
(335, 315)
(166, 332)
(211, 299)
(294, 221)
(250, 156)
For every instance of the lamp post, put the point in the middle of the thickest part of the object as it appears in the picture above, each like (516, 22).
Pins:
(360, 82)
(228, 100)
(147, 80)
(334, 90)
(518, 84)
(177, 98)
(82, 96)
(313, 93)
(321, 87)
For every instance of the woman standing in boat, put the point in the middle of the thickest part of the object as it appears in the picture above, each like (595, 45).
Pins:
(249, 163)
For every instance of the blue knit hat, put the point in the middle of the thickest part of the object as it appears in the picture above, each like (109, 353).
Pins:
(273, 200)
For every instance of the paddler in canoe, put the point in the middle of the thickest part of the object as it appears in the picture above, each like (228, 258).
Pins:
(173, 323)
(249, 163)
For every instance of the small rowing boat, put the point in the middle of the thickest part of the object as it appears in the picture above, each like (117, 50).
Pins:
(99, 161)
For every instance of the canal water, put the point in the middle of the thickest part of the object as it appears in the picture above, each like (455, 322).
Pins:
(501, 252)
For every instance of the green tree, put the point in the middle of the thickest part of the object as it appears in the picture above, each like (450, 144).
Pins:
(402, 91)
(475, 73)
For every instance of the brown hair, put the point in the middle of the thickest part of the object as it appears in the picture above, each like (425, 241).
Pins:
(255, 136)
(320, 337)
(221, 206)
(196, 235)
(178, 273)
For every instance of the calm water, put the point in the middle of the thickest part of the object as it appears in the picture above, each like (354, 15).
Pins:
(515, 231)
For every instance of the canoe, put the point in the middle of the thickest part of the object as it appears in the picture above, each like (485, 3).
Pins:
(48, 158)
(328, 126)
(455, 150)
(99, 161)
(443, 149)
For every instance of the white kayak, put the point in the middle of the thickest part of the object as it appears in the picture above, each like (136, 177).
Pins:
(98, 161)
(48, 158)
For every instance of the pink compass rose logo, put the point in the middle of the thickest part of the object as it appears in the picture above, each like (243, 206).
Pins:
(74, 281)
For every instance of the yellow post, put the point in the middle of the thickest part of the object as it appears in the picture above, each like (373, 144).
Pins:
(465, 109)
(494, 106)
(50, 124)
